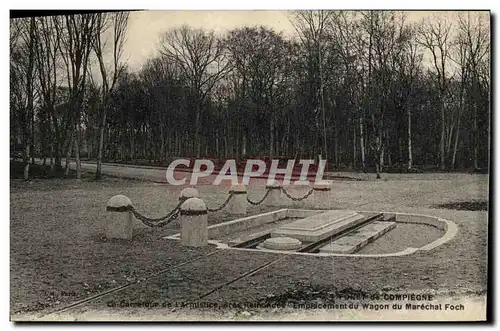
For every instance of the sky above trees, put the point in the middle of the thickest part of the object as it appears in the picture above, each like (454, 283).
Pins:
(146, 27)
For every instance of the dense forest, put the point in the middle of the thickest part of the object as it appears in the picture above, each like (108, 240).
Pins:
(363, 89)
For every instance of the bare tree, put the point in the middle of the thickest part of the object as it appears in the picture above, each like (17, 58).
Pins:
(23, 76)
(118, 23)
(200, 55)
(408, 66)
(346, 33)
(381, 45)
(260, 58)
(435, 36)
(76, 43)
(311, 26)
(47, 57)
(473, 43)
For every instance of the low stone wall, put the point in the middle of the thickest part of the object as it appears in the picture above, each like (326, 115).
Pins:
(416, 218)
(242, 224)
(448, 228)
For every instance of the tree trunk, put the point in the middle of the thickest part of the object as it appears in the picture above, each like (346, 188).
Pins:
(168, 147)
(226, 149)
(196, 139)
(26, 160)
(378, 150)
(58, 159)
(455, 147)
(449, 140)
(98, 173)
(271, 136)
(90, 148)
(244, 145)
(161, 155)
(410, 156)
(132, 145)
(377, 169)
(362, 142)
(389, 146)
(51, 158)
(30, 102)
(381, 145)
(400, 149)
(217, 152)
(377, 153)
(68, 155)
(475, 139)
(354, 156)
(57, 145)
(382, 156)
(77, 152)
(32, 134)
(335, 144)
(443, 131)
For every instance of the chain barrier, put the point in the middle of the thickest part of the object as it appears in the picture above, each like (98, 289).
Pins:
(256, 203)
(224, 204)
(174, 214)
(158, 222)
(297, 199)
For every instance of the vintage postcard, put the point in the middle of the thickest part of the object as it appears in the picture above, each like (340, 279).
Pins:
(312, 165)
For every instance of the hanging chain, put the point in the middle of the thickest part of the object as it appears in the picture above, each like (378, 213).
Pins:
(255, 203)
(174, 214)
(221, 206)
(297, 199)
(158, 222)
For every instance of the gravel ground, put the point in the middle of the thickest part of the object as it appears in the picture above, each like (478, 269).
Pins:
(58, 254)
(402, 236)
(187, 283)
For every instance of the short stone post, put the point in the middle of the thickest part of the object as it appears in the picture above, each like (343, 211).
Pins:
(322, 195)
(119, 218)
(187, 193)
(238, 203)
(274, 195)
(194, 226)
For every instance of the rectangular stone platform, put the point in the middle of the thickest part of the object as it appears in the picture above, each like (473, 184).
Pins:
(358, 239)
(320, 226)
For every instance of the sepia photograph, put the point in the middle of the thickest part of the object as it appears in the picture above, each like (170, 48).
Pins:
(250, 165)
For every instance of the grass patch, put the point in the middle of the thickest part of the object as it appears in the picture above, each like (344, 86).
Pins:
(39, 171)
(474, 205)
(302, 293)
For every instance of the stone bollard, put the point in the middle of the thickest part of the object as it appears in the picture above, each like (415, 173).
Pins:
(119, 220)
(187, 193)
(194, 226)
(238, 203)
(322, 195)
(274, 195)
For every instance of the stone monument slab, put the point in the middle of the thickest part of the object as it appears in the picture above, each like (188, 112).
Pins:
(355, 241)
(320, 226)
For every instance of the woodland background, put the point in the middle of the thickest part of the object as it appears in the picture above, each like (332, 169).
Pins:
(367, 90)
